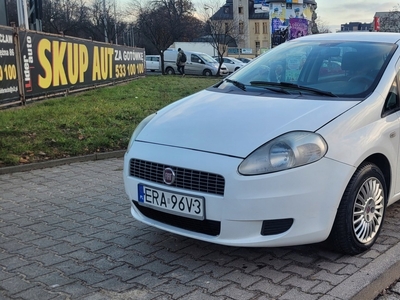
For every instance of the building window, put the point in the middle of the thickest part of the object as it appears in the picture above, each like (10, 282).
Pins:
(240, 10)
(265, 27)
(257, 28)
(257, 46)
(241, 28)
(226, 27)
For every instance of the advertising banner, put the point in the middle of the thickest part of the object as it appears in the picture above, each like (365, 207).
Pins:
(298, 28)
(261, 6)
(294, 1)
(376, 24)
(8, 67)
(276, 24)
(53, 63)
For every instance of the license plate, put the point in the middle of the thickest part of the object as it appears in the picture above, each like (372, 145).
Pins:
(174, 203)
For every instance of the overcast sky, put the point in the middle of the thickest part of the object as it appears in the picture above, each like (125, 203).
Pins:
(335, 12)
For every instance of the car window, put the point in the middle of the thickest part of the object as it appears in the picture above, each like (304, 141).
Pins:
(195, 59)
(343, 68)
(392, 100)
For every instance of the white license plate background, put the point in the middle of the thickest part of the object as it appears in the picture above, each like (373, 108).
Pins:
(174, 203)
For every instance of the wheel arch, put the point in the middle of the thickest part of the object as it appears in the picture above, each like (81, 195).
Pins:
(383, 164)
(344, 237)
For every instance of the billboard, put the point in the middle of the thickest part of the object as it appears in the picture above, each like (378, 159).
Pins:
(298, 28)
(8, 66)
(53, 63)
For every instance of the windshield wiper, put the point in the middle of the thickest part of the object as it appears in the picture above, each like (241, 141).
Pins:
(307, 88)
(236, 83)
(296, 86)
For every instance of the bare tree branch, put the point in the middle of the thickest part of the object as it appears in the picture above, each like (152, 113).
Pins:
(390, 21)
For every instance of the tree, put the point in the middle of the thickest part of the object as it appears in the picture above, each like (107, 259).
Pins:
(69, 17)
(100, 18)
(222, 28)
(159, 23)
(321, 27)
(390, 21)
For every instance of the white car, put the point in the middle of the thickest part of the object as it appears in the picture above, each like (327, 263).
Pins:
(244, 59)
(233, 64)
(153, 63)
(282, 156)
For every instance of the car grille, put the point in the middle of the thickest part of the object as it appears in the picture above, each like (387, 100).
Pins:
(208, 227)
(185, 178)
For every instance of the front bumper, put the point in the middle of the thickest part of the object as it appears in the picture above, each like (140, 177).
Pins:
(308, 195)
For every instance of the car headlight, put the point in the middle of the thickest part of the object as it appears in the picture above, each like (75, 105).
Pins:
(287, 151)
(138, 129)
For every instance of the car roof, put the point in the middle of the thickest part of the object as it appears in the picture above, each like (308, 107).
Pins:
(385, 37)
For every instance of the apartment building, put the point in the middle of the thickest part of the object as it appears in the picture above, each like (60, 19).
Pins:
(258, 20)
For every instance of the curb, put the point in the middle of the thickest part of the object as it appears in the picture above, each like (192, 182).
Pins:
(63, 161)
(372, 279)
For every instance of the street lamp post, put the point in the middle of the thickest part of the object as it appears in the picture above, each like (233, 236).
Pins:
(22, 14)
(115, 21)
(105, 22)
(206, 7)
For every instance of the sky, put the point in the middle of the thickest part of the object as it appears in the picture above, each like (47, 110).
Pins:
(332, 13)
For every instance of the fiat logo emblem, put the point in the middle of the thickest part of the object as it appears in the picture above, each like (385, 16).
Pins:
(169, 176)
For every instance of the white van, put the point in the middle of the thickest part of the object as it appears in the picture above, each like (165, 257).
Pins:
(197, 63)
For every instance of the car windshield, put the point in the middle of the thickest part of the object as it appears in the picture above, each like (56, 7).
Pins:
(207, 58)
(236, 60)
(337, 68)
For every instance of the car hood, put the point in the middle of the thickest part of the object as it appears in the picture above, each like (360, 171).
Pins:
(236, 124)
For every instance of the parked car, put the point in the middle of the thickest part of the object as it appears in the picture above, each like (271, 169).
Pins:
(153, 63)
(231, 63)
(254, 162)
(244, 59)
(197, 63)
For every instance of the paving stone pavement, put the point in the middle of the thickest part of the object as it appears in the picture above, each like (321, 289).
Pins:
(66, 233)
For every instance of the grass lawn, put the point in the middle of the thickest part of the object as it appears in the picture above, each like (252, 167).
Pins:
(98, 120)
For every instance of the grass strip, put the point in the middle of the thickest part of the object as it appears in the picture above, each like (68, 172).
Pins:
(98, 120)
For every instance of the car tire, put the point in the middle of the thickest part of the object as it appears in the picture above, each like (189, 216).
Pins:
(170, 71)
(207, 73)
(361, 211)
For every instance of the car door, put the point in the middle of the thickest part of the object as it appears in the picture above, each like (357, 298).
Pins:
(391, 113)
(229, 64)
(156, 63)
(152, 62)
(194, 65)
